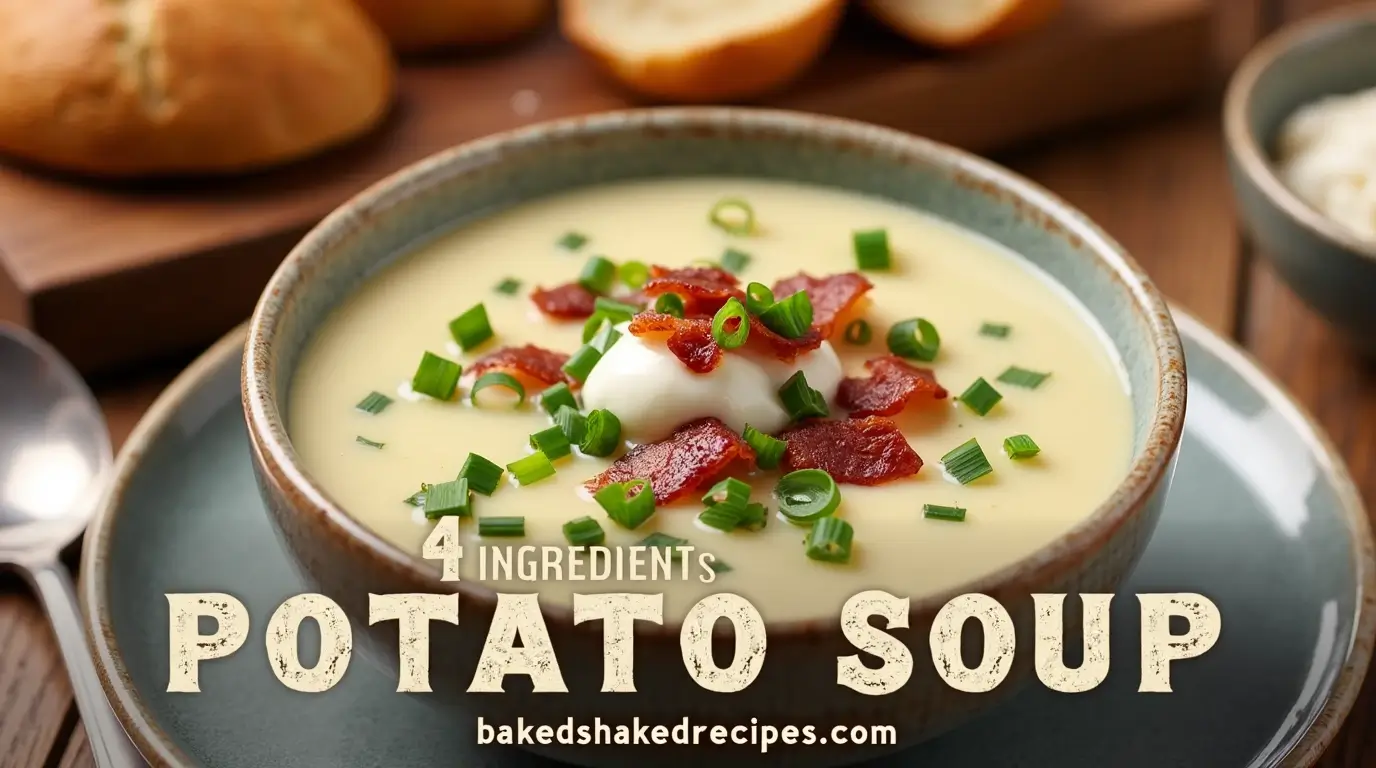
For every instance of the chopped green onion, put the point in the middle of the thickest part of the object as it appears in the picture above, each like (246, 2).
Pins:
(605, 337)
(938, 512)
(552, 442)
(617, 310)
(501, 526)
(800, 400)
(871, 248)
(436, 377)
(572, 241)
(628, 504)
(1021, 377)
(417, 499)
(556, 397)
(634, 274)
(662, 541)
(510, 286)
(581, 362)
(531, 469)
(981, 397)
(573, 424)
(603, 434)
(807, 495)
(721, 517)
(498, 379)
(584, 532)
(598, 275)
(482, 475)
(374, 403)
(669, 304)
(769, 451)
(995, 330)
(735, 261)
(830, 540)
(446, 499)
(730, 493)
(731, 325)
(790, 317)
(915, 339)
(754, 517)
(733, 216)
(1021, 447)
(471, 328)
(367, 442)
(758, 298)
(858, 333)
(967, 462)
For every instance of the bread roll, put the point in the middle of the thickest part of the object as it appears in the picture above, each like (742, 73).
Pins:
(415, 25)
(158, 87)
(962, 23)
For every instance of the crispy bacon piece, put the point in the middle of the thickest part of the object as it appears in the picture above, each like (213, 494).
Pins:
(689, 339)
(703, 289)
(831, 296)
(767, 342)
(695, 454)
(531, 362)
(570, 301)
(891, 386)
(868, 451)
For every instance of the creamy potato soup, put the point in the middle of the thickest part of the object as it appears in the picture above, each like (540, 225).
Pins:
(1017, 358)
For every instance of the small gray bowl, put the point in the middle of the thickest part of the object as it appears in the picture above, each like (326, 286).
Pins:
(1331, 268)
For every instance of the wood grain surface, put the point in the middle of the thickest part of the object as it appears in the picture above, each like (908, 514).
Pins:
(1159, 186)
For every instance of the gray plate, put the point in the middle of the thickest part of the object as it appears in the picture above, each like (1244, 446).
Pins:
(1263, 519)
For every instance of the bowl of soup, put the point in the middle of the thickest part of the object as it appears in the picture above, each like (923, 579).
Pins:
(748, 363)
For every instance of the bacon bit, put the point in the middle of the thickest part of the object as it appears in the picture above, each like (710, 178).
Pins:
(689, 339)
(696, 453)
(767, 342)
(570, 301)
(831, 296)
(868, 451)
(891, 387)
(532, 362)
(703, 289)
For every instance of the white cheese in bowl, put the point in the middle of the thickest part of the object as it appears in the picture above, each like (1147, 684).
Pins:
(1327, 156)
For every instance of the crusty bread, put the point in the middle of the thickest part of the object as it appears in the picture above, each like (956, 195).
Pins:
(702, 50)
(158, 87)
(962, 23)
(416, 25)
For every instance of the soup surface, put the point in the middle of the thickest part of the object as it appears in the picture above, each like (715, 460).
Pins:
(1080, 416)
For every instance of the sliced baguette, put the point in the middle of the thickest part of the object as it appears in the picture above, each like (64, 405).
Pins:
(702, 50)
(962, 23)
(417, 25)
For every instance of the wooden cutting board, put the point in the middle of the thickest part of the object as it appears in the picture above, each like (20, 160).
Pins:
(116, 274)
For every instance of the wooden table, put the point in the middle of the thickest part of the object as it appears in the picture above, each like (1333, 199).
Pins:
(1159, 186)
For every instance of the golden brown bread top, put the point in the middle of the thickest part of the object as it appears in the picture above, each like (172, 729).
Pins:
(414, 25)
(134, 87)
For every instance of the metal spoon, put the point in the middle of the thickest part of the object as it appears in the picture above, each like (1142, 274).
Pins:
(54, 456)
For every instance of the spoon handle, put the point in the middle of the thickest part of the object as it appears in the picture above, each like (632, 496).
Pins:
(110, 745)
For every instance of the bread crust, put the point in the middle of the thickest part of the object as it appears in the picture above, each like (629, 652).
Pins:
(161, 87)
(418, 25)
(1020, 17)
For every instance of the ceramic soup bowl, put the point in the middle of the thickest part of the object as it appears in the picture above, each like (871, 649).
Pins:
(797, 684)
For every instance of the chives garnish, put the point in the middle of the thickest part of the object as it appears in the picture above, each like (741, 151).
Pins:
(374, 403)
(967, 462)
(995, 330)
(871, 248)
(858, 333)
(669, 304)
(482, 475)
(733, 216)
(661, 540)
(367, 442)
(417, 499)
(800, 400)
(552, 442)
(603, 434)
(616, 311)
(1020, 447)
(1021, 377)
(584, 532)
(556, 397)
(509, 287)
(729, 493)
(735, 261)
(731, 325)
(807, 495)
(830, 540)
(758, 298)
(634, 274)
(916, 339)
(436, 377)
(980, 397)
(790, 317)
(452, 498)
(501, 526)
(471, 328)
(572, 241)
(938, 512)
(531, 469)
(628, 504)
(754, 517)
(581, 362)
(498, 379)
(769, 451)
(573, 424)
(605, 337)
(598, 275)
(721, 517)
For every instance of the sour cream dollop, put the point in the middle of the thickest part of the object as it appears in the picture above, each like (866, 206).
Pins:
(652, 393)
